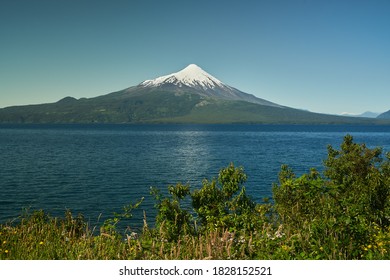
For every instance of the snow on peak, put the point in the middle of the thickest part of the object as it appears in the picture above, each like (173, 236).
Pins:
(192, 76)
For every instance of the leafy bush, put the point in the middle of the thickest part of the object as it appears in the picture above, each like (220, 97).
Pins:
(172, 220)
(341, 210)
(223, 203)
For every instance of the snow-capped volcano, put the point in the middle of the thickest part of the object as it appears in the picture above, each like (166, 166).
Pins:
(187, 96)
(195, 79)
(192, 76)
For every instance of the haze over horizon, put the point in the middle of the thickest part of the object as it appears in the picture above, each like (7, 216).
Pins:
(323, 56)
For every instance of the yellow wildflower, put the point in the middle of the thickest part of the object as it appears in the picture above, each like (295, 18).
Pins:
(6, 251)
(285, 247)
(369, 246)
(41, 243)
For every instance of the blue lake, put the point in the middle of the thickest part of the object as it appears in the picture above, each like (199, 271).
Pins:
(97, 169)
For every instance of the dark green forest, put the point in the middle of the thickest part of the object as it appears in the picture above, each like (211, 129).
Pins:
(158, 106)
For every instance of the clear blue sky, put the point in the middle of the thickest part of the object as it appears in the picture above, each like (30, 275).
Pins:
(324, 56)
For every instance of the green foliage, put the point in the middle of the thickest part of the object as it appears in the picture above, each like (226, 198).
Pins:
(109, 225)
(341, 208)
(219, 205)
(297, 199)
(359, 179)
(172, 220)
(223, 203)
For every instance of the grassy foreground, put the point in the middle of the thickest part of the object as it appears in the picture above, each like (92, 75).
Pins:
(343, 213)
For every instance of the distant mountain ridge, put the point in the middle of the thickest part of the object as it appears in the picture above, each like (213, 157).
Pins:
(366, 114)
(385, 115)
(188, 96)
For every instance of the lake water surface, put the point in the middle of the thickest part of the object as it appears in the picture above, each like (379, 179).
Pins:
(97, 169)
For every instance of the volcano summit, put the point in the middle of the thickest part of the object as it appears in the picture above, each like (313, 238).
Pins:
(191, 76)
(195, 79)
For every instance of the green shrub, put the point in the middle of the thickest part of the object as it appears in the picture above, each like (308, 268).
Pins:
(336, 214)
(172, 220)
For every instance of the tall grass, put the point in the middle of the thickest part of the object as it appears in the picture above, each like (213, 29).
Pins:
(41, 237)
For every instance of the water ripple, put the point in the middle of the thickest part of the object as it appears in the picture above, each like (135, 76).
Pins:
(99, 169)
